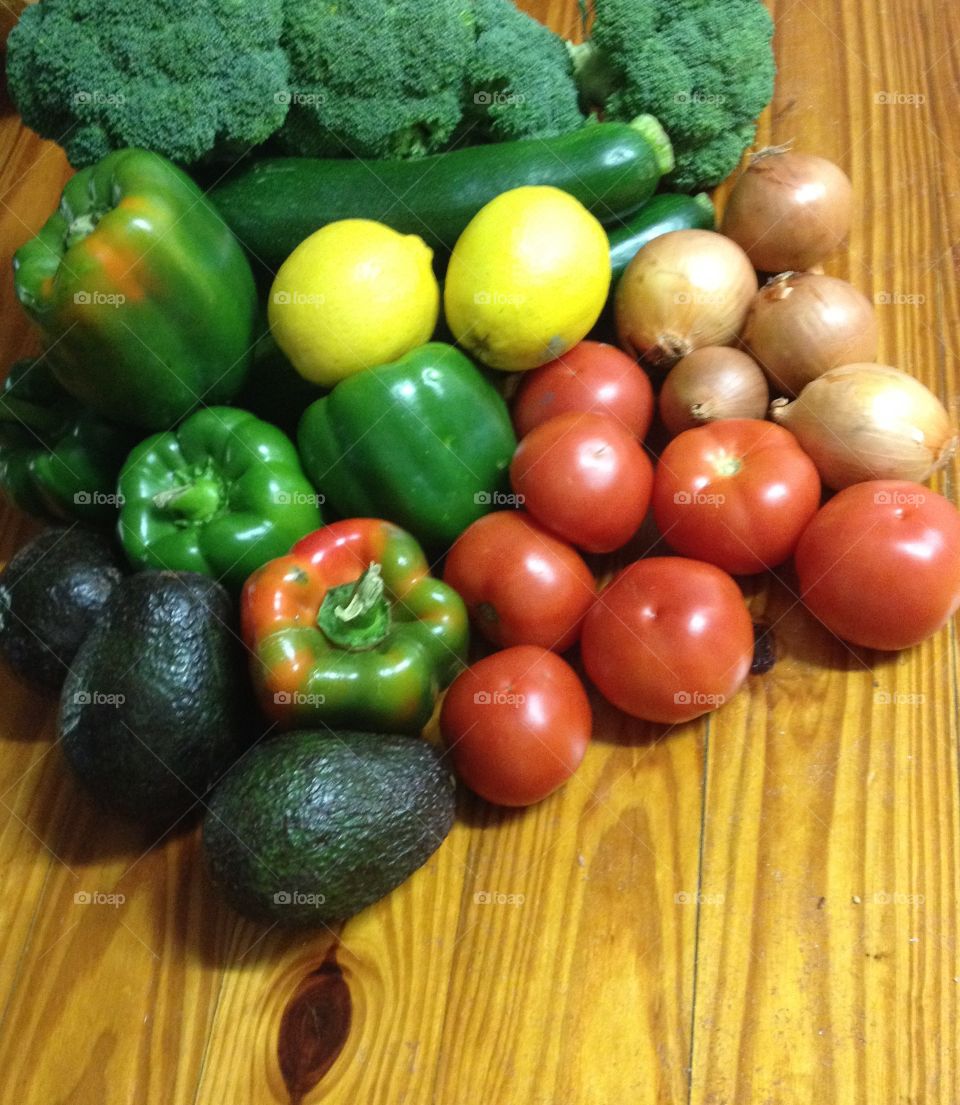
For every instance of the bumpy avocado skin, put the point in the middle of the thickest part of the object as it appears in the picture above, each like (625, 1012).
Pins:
(311, 827)
(52, 593)
(156, 706)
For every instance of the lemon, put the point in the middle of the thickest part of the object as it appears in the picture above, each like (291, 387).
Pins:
(353, 295)
(528, 278)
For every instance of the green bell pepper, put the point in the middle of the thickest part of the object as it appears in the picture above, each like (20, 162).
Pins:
(425, 442)
(221, 495)
(57, 460)
(143, 294)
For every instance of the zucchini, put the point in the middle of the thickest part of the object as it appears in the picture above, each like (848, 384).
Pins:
(665, 212)
(273, 204)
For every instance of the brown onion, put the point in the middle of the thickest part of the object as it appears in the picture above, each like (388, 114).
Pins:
(868, 422)
(789, 210)
(800, 325)
(683, 290)
(711, 383)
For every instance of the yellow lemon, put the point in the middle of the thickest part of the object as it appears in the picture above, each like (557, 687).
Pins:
(353, 295)
(528, 278)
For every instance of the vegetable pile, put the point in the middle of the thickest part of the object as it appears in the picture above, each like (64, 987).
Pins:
(348, 445)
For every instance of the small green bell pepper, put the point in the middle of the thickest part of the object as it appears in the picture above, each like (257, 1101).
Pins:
(143, 294)
(351, 630)
(221, 495)
(58, 460)
(425, 441)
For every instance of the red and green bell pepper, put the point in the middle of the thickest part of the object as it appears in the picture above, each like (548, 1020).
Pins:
(350, 629)
(221, 495)
(144, 296)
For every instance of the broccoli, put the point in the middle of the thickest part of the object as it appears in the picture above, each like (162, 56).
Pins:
(519, 78)
(403, 78)
(374, 78)
(186, 80)
(704, 68)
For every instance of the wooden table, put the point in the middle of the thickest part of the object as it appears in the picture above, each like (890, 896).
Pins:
(759, 908)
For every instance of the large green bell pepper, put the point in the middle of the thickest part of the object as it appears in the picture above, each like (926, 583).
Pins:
(144, 295)
(425, 441)
(222, 495)
(57, 459)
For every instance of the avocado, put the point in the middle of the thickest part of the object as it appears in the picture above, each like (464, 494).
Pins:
(311, 827)
(52, 593)
(153, 711)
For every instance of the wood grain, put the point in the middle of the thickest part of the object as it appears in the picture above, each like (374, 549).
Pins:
(757, 908)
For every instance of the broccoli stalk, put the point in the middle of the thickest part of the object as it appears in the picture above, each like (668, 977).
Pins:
(705, 70)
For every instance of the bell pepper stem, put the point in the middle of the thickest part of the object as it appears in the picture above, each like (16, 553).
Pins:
(356, 615)
(193, 502)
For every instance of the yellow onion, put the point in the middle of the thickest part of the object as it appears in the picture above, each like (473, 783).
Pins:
(801, 324)
(868, 422)
(683, 290)
(714, 382)
(789, 210)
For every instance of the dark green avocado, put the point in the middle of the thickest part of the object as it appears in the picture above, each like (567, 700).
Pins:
(154, 709)
(310, 827)
(52, 593)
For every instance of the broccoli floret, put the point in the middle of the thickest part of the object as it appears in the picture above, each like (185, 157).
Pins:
(195, 80)
(704, 68)
(520, 78)
(375, 78)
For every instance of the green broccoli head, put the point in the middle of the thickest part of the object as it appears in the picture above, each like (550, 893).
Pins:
(704, 68)
(374, 78)
(519, 78)
(190, 81)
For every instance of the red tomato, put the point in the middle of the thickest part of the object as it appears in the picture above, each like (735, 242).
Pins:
(521, 584)
(669, 639)
(879, 565)
(517, 724)
(585, 478)
(736, 493)
(593, 376)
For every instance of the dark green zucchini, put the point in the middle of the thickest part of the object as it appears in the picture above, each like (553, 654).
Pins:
(273, 204)
(665, 212)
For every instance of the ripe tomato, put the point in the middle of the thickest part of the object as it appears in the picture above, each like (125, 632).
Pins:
(521, 584)
(736, 493)
(517, 724)
(593, 376)
(879, 565)
(585, 478)
(669, 639)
